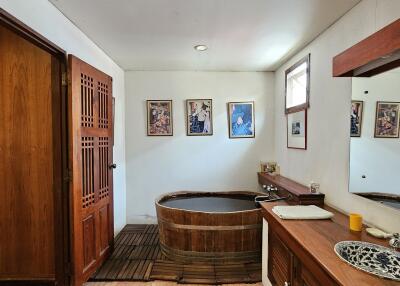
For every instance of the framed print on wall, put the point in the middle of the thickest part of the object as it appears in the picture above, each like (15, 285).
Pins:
(159, 118)
(356, 118)
(199, 117)
(241, 119)
(387, 119)
(297, 130)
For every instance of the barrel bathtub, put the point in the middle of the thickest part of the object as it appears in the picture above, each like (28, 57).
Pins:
(210, 226)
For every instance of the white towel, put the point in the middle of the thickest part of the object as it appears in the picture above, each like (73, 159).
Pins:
(301, 212)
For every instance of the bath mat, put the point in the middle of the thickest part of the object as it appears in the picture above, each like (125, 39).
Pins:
(137, 257)
(301, 212)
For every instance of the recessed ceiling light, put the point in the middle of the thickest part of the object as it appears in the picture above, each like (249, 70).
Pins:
(200, 48)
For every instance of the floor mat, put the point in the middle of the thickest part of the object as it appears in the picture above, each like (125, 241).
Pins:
(137, 257)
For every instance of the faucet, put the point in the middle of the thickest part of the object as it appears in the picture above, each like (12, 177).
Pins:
(271, 196)
(270, 189)
(395, 241)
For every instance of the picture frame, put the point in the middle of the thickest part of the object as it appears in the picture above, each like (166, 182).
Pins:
(271, 167)
(199, 117)
(241, 119)
(387, 119)
(263, 167)
(159, 118)
(356, 116)
(297, 130)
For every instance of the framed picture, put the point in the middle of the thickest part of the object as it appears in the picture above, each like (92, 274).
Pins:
(387, 119)
(297, 130)
(199, 117)
(159, 118)
(241, 119)
(356, 118)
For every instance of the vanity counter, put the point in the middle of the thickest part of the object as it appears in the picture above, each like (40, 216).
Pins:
(311, 243)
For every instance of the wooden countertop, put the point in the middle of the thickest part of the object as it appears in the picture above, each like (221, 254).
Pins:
(316, 238)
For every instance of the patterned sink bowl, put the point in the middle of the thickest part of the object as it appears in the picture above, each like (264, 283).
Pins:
(374, 259)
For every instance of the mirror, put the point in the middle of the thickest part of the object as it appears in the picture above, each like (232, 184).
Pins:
(375, 142)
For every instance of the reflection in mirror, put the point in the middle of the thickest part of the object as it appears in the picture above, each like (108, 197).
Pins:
(375, 143)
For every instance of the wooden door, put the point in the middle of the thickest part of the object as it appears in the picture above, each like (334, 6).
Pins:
(32, 144)
(92, 227)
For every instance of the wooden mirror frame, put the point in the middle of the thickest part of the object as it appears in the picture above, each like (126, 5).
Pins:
(376, 54)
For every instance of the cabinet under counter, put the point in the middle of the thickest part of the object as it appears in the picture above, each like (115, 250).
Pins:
(301, 252)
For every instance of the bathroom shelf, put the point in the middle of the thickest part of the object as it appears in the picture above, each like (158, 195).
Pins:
(299, 194)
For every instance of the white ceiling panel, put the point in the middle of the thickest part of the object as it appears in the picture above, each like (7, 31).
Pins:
(241, 35)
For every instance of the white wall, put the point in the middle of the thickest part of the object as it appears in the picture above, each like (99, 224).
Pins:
(156, 165)
(327, 159)
(378, 159)
(43, 17)
(216, 162)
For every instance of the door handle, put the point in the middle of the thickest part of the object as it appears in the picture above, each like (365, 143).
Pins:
(112, 166)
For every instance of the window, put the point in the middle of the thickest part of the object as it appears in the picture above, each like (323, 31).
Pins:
(297, 86)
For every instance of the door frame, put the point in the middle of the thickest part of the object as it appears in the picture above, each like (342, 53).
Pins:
(61, 199)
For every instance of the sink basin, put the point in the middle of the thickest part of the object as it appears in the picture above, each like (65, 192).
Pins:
(372, 258)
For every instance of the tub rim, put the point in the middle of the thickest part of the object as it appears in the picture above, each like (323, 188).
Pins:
(208, 193)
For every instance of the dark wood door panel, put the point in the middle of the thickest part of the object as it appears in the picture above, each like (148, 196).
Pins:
(27, 154)
(89, 242)
(33, 152)
(91, 157)
(104, 224)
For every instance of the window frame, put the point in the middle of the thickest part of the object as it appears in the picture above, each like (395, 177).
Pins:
(303, 106)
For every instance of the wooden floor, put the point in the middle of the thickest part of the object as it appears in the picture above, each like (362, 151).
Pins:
(137, 257)
(158, 283)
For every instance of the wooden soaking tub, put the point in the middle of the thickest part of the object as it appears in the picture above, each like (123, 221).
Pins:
(210, 226)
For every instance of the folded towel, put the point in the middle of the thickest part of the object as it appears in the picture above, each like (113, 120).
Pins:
(301, 212)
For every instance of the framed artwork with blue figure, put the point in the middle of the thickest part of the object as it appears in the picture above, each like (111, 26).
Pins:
(241, 119)
(199, 117)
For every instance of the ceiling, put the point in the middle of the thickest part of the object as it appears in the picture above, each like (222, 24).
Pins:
(241, 35)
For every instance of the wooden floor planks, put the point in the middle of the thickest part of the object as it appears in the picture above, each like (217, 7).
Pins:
(137, 257)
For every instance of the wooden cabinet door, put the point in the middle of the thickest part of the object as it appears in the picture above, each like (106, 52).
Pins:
(306, 278)
(280, 262)
(91, 210)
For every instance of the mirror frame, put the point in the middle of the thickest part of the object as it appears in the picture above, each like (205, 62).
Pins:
(376, 54)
